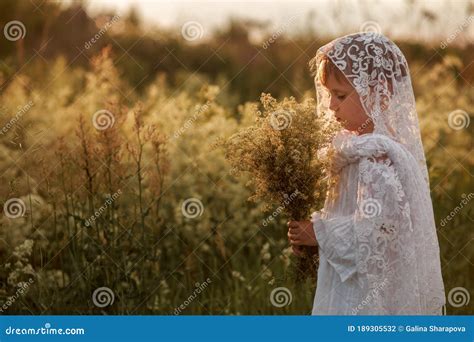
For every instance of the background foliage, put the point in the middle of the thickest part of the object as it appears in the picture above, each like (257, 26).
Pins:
(171, 101)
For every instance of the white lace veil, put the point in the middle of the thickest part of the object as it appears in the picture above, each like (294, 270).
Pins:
(378, 71)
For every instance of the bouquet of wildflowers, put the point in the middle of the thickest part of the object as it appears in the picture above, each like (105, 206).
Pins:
(280, 151)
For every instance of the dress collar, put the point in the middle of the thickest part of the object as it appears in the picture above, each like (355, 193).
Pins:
(348, 147)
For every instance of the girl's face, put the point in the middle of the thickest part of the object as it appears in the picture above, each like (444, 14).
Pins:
(346, 106)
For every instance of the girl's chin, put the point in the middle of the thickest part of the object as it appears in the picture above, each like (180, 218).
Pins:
(353, 129)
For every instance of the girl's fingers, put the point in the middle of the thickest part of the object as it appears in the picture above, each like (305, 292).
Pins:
(293, 236)
(296, 242)
(294, 231)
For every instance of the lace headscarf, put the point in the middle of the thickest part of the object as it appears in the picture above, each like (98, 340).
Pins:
(378, 71)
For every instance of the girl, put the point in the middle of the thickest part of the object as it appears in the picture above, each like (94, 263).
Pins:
(379, 252)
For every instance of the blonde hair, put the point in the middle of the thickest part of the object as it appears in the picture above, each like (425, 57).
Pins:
(323, 67)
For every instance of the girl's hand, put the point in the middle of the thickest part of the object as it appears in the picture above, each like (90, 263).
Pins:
(301, 233)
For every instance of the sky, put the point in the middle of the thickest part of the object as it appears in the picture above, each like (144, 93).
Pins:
(334, 17)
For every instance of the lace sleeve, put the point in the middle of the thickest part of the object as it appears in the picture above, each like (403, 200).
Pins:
(335, 238)
(375, 241)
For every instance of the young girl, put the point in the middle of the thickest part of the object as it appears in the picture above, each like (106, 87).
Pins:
(379, 252)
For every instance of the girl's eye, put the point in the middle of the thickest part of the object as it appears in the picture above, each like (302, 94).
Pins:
(341, 97)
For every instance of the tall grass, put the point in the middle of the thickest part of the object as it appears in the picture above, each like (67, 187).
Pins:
(105, 207)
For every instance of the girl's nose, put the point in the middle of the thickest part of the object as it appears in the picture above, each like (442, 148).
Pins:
(333, 104)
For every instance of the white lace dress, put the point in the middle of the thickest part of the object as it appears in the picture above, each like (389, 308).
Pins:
(367, 235)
